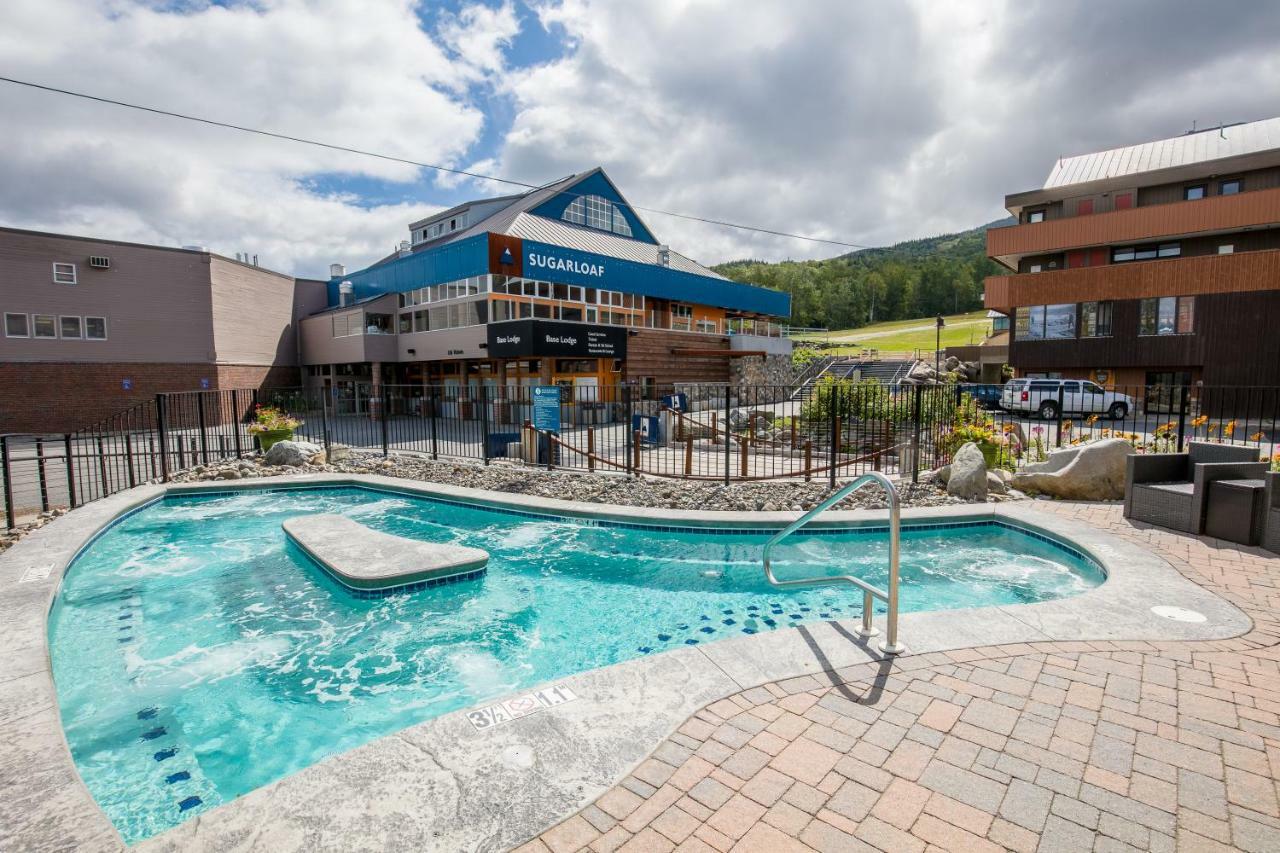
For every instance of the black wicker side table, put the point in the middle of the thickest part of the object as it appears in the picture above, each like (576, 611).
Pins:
(1235, 510)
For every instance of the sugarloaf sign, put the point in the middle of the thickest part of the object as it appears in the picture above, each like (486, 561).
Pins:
(538, 260)
(521, 338)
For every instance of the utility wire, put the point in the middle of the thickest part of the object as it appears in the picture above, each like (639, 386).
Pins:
(391, 158)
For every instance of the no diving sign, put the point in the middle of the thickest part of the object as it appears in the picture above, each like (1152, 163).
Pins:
(520, 706)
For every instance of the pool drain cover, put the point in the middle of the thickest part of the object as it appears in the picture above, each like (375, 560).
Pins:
(1178, 614)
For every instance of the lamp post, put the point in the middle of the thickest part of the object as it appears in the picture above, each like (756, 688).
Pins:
(937, 346)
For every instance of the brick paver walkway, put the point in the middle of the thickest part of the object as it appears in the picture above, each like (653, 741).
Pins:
(1047, 746)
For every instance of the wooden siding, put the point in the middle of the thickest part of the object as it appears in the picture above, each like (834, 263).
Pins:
(649, 353)
(1235, 343)
(1240, 272)
(1219, 213)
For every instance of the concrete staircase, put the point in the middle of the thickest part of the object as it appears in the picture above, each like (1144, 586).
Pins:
(887, 371)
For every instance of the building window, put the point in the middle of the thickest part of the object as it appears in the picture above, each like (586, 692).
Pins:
(684, 312)
(1124, 254)
(1230, 187)
(596, 212)
(406, 323)
(64, 273)
(1226, 249)
(1036, 268)
(70, 328)
(15, 326)
(45, 326)
(1194, 192)
(1167, 315)
(1035, 216)
(1095, 320)
(95, 328)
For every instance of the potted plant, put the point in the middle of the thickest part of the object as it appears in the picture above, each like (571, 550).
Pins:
(271, 425)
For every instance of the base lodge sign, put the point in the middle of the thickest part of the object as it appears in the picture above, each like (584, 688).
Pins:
(522, 338)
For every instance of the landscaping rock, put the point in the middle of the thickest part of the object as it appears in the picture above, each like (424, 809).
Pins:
(996, 484)
(1090, 472)
(968, 479)
(292, 453)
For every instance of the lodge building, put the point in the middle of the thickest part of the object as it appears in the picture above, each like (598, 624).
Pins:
(560, 285)
(1155, 264)
(564, 284)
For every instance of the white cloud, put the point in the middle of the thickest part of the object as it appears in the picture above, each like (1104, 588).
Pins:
(869, 122)
(351, 72)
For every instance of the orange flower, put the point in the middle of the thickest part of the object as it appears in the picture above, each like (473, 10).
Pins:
(1200, 421)
(1258, 436)
(1230, 428)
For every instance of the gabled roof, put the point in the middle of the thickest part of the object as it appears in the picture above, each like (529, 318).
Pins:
(517, 219)
(1215, 143)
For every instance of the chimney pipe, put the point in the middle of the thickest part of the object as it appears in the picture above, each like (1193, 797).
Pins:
(337, 270)
(346, 290)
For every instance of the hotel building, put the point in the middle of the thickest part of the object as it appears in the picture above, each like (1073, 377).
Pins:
(1154, 264)
(564, 284)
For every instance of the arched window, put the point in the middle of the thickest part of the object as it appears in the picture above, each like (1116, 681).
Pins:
(596, 212)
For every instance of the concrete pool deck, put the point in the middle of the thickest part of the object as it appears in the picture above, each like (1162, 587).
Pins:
(443, 785)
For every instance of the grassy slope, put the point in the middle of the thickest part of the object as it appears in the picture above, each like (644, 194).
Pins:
(904, 335)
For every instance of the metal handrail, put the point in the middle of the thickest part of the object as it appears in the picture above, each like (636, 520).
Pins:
(890, 646)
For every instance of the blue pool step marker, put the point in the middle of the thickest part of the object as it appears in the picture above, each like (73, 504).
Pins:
(166, 753)
(180, 776)
(154, 733)
(189, 803)
(148, 713)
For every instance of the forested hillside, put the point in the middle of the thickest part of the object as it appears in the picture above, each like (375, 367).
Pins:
(918, 278)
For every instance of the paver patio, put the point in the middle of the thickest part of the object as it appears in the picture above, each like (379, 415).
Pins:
(1044, 746)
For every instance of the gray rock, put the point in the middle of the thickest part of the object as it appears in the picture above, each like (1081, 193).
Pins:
(968, 478)
(996, 485)
(228, 474)
(292, 453)
(1090, 472)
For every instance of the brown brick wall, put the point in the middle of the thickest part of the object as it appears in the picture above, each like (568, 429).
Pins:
(55, 397)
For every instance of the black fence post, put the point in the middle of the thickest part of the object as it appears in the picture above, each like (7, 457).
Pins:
(204, 437)
(324, 424)
(484, 425)
(917, 394)
(386, 400)
(41, 475)
(1182, 414)
(1061, 413)
(235, 424)
(257, 441)
(832, 404)
(102, 468)
(163, 433)
(434, 413)
(128, 458)
(9, 515)
(71, 471)
(728, 441)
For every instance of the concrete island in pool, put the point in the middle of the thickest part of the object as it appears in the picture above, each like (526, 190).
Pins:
(444, 784)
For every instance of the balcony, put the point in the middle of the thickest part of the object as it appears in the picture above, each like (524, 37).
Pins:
(1182, 276)
(1207, 215)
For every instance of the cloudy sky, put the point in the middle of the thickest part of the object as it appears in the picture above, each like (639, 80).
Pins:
(864, 122)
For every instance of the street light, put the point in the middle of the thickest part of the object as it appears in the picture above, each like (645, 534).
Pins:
(937, 346)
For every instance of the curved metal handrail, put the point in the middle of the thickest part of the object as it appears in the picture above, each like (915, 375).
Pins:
(890, 646)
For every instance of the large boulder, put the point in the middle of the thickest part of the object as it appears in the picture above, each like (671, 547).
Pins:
(968, 478)
(292, 453)
(1089, 472)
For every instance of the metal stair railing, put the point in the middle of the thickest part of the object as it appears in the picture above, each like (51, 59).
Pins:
(890, 645)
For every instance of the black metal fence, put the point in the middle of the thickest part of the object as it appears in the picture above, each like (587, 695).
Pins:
(822, 431)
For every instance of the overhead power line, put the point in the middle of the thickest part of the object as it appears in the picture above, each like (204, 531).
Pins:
(406, 161)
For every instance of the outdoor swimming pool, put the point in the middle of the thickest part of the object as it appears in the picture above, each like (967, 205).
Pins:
(198, 655)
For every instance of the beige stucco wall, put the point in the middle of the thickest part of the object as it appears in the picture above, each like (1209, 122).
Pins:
(157, 302)
(253, 311)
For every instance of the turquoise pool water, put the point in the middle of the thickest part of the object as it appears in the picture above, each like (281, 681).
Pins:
(198, 655)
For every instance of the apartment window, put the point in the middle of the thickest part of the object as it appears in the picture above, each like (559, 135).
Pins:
(1095, 320)
(95, 328)
(1035, 216)
(1230, 187)
(15, 326)
(1226, 249)
(69, 328)
(44, 326)
(1167, 315)
(1124, 254)
(1194, 192)
(64, 273)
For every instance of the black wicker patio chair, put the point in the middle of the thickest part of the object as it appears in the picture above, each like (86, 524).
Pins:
(1170, 489)
(1271, 514)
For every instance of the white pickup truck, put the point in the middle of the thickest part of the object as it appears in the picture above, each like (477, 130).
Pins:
(1040, 397)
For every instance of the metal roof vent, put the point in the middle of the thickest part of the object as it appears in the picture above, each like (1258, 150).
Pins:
(346, 292)
(664, 256)
(404, 248)
(195, 247)
(337, 270)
